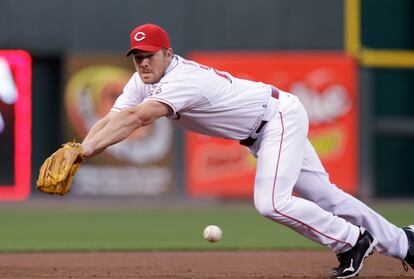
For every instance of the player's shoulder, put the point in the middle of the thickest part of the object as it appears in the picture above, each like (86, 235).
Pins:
(135, 78)
(189, 69)
(187, 64)
(180, 69)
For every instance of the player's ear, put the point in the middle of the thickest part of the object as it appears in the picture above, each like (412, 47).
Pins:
(169, 52)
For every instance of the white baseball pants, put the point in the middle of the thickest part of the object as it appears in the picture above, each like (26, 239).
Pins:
(287, 162)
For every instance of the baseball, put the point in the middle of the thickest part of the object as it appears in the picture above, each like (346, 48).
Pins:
(212, 233)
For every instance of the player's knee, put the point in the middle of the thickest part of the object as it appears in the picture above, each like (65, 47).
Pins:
(271, 209)
(265, 210)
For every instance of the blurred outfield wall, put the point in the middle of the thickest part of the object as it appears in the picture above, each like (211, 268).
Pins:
(52, 30)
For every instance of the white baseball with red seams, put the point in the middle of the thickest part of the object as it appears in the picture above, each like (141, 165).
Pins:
(217, 104)
(212, 233)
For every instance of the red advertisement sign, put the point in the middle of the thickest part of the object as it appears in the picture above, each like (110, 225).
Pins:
(15, 124)
(325, 83)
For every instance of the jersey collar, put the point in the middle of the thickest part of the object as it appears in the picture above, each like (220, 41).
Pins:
(172, 65)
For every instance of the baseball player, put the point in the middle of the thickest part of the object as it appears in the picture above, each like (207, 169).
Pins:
(273, 125)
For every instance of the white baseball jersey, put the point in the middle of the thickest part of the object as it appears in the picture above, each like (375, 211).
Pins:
(217, 104)
(203, 99)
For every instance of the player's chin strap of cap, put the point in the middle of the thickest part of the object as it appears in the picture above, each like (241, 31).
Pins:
(255, 134)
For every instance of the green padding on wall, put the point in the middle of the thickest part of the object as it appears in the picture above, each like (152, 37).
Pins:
(394, 167)
(393, 92)
(387, 24)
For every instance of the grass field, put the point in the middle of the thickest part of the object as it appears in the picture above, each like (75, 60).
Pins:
(69, 227)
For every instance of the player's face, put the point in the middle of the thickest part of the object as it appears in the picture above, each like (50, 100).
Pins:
(151, 66)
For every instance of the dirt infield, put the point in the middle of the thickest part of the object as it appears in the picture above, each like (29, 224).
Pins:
(200, 265)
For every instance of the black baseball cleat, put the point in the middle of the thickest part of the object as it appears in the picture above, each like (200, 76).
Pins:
(409, 258)
(351, 261)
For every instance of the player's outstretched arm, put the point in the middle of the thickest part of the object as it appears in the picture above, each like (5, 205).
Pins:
(121, 124)
(99, 125)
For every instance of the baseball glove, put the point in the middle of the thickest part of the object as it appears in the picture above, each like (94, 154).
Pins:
(56, 173)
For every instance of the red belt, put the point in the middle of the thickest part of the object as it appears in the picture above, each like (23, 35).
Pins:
(253, 137)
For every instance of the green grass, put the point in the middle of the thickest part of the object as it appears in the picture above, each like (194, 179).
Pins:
(72, 229)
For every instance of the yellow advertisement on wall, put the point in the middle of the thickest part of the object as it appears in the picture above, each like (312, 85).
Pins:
(139, 165)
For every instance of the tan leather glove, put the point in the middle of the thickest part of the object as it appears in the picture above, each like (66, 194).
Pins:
(56, 173)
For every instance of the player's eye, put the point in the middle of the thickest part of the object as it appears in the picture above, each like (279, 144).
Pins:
(142, 57)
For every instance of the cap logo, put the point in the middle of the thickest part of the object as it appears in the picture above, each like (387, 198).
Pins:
(139, 36)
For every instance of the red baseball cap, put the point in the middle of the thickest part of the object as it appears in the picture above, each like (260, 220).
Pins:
(148, 37)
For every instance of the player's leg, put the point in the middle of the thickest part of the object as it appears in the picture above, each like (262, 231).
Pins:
(280, 157)
(313, 184)
(409, 258)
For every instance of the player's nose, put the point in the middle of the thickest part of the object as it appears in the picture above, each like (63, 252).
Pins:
(144, 62)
